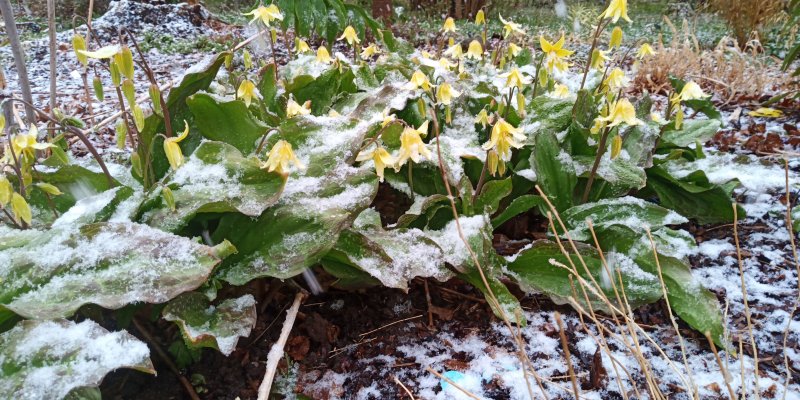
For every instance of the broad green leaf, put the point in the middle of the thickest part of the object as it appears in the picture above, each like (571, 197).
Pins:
(517, 206)
(706, 106)
(226, 121)
(620, 173)
(535, 273)
(323, 90)
(73, 181)
(691, 132)
(98, 208)
(108, 264)
(48, 359)
(509, 304)
(215, 179)
(692, 196)
(492, 193)
(554, 170)
(630, 212)
(419, 208)
(207, 325)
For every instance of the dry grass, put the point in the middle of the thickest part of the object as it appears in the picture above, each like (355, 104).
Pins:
(731, 72)
(748, 17)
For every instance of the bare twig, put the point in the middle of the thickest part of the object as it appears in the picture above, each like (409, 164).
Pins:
(567, 356)
(408, 392)
(51, 33)
(167, 360)
(19, 56)
(276, 352)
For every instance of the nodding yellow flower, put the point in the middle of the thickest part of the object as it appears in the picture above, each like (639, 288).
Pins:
(616, 38)
(657, 118)
(691, 91)
(645, 51)
(560, 91)
(173, 150)
(418, 80)
(301, 46)
(599, 58)
(27, 144)
(616, 80)
(412, 147)
(480, 17)
(515, 78)
(266, 14)
(616, 146)
(495, 164)
(514, 50)
(621, 111)
(323, 57)
(350, 35)
(615, 10)
(280, 156)
(510, 27)
(380, 157)
(455, 51)
(293, 109)
(78, 45)
(766, 112)
(556, 53)
(246, 92)
(504, 137)
(387, 118)
(449, 25)
(446, 94)
(20, 208)
(370, 51)
(5, 190)
(483, 118)
(475, 50)
(598, 126)
(445, 63)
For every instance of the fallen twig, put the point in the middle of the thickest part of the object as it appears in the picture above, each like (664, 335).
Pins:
(276, 352)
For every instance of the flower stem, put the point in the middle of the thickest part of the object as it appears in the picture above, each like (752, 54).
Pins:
(601, 149)
(411, 179)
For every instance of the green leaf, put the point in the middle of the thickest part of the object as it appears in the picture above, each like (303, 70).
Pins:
(492, 193)
(517, 206)
(691, 132)
(108, 264)
(215, 179)
(206, 325)
(555, 174)
(706, 106)
(630, 212)
(692, 196)
(98, 208)
(73, 181)
(534, 272)
(323, 90)
(49, 359)
(419, 208)
(510, 305)
(226, 121)
(304, 19)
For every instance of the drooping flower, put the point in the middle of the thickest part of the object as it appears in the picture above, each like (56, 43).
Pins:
(445, 63)
(514, 50)
(621, 111)
(418, 80)
(301, 47)
(692, 91)
(455, 51)
(446, 94)
(510, 27)
(475, 50)
(380, 157)
(556, 53)
(504, 136)
(616, 80)
(616, 146)
(350, 35)
(266, 14)
(27, 144)
(645, 51)
(599, 58)
(480, 17)
(412, 147)
(515, 78)
(560, 91)
(616, 38)
(483, 118)
(387, 118)
(370, 51)
(293, 109)
(173, 150)
(449, 25)
(280, 156)
(323, 57)
(616, 9)
(246, 92)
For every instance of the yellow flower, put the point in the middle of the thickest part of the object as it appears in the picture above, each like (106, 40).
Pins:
(616, 146)
(418, 80)
(515, 78)
(616, 80)
(657, 118)
(691, 91)
(455, 51)
(616, 38)
(621, 111)
(766, 112)
(380, 157)
(449, 25)
(266, 14)
(504, 137)
(333, 113)
(495, 164)
(445, 63)
(387, 118)
(173, 150)
(323, 57)
(20, 208)
(483, 118)
(615, 10)
(556, 53)
(370, 51)
(514, 50)
(279, 158)
(26, 144)
(446, 93)
(645, 51)
(246, 92)
(598, 126)
(560, 91)
(301, 47)
(350, 35)
(475, 50)
(5, 190)
(480, 17)
(412, 146)
(599, 58)
(292, 108)
(511, 27)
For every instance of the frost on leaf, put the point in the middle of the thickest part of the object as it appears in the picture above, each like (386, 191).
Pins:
(108, 264)
(215, 179)
(206, 325)
(48, 359)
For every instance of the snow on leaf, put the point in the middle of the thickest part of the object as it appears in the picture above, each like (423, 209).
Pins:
(206, 325)
(631, 212)
(48, 359)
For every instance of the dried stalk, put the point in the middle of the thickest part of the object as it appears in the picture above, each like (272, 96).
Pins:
(276, 352)
(19, 57)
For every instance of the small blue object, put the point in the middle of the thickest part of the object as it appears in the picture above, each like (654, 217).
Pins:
(454, 376)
